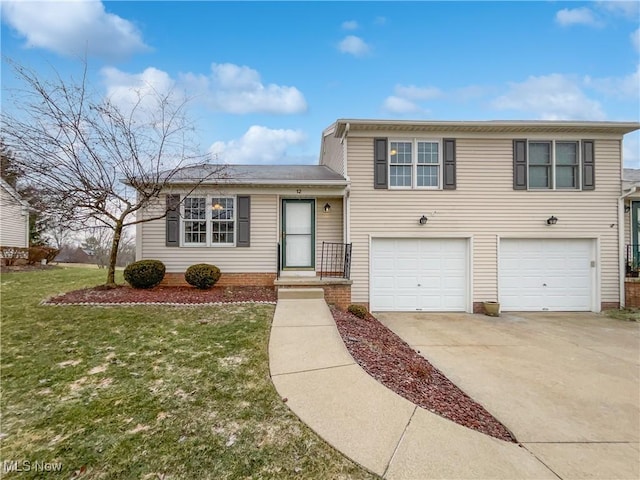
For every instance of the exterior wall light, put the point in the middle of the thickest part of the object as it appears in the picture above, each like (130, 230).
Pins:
(423, 220)
(327, 208)
(552, 220)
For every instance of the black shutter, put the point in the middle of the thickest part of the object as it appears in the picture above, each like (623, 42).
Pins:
(588, 165)
(449, 182)
(244, 220)
(519, 164)
(173, 221)
(380, 163)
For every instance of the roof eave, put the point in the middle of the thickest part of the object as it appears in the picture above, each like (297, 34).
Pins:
(486, 126)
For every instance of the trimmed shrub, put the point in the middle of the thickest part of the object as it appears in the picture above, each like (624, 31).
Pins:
(202, 275)
(11, 255)
(144, 273)
(359, 311)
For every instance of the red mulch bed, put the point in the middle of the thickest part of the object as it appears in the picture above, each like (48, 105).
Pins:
(187, 295)
(391, 361)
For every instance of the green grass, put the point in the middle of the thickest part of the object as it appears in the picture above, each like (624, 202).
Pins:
(628, 314)
(146, 392)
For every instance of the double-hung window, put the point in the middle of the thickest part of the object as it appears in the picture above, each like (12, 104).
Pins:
(414, 164)
(222, 221)
(554, 165)
(208, 221)
(195, 221)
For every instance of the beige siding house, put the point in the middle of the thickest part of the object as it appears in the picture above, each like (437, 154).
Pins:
(14, 218)
(439, 216)
(256, 224)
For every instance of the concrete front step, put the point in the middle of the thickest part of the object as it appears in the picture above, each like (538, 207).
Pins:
(300, 293)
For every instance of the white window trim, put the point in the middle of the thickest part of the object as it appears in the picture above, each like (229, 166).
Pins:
(553, 186)
(414, 163)
(209, 221)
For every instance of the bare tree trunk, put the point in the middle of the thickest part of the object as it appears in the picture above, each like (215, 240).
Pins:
(113, 256)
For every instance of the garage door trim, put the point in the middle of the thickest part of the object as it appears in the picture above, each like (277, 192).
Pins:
(468, 301)
(595, 271)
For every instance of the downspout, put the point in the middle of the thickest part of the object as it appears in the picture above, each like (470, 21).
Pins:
(622, 267)
(347, 202)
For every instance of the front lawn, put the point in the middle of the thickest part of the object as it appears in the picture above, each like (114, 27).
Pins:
(145, 392)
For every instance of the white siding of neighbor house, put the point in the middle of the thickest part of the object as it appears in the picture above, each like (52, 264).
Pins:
(261, 256)
(333, 154)
(14, 221)
(484, 207)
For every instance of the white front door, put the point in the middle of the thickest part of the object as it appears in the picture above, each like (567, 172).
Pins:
(298, 233)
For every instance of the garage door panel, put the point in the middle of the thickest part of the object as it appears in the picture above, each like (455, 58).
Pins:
(406, 282)
(382, 282)
(383, 264)
(428, 264)
(428, 274)
(405, 264)
(546, 274)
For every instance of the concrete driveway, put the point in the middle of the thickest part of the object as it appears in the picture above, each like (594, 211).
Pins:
(566, 384)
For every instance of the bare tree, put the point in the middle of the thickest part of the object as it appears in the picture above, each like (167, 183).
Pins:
(97, 161)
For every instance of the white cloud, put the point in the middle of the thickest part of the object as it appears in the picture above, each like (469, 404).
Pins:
(354, 46)
(627, 87)
(258, 145)
(400, 105)
(125, 86)
(238, 89)
(550, 97)
(576, 16)
(635, 39)
(412, 92)
(350, 25)
(631, 150)
(405, 98)
(73, 27)
(380, 21)
(628, 8)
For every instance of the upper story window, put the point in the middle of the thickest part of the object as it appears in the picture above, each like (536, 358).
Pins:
(209, 221)
(414, 164)
(554, 165)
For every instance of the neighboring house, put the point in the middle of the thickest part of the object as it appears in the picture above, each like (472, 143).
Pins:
(14, 217)
(631, 193)
(440, 216)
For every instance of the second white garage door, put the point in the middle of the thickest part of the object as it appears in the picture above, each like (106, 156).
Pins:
(410, 274)
(546, 274)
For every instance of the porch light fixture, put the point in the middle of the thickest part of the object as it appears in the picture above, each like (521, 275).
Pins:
(423, 220)
(552, 220)
(327, 208)
(627, 208)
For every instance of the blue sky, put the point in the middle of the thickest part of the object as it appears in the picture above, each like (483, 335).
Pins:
(266, 78)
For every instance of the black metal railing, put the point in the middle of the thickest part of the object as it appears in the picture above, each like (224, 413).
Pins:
(632, 260)
(278, 260)
(335, 260)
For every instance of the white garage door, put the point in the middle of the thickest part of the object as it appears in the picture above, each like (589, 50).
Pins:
(546, 275)
(418, 274)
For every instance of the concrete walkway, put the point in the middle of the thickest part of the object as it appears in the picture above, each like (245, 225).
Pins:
(311, 367)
